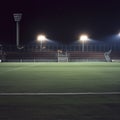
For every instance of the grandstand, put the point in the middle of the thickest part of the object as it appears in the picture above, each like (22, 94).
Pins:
(86, 56)
(42, 56)
(49, 53)
(115, 56)
(52, 56)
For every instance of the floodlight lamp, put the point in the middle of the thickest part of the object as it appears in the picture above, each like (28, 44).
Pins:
(41, 38)
(17, 16)
(83, 37)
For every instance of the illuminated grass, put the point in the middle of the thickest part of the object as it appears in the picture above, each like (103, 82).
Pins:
(59, 77)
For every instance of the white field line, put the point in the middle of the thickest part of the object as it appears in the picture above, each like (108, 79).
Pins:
(59, 94)
(14, 69)
(10, 70)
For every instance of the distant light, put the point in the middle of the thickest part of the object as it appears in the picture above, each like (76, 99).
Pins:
(119, 34)
(41, 37)
(83, 37)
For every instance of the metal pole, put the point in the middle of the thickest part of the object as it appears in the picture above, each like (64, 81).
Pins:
(83, 46)
(17, 18)
(41, 45)
(17, 33)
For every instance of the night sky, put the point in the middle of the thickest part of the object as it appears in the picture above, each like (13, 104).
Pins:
(60, 20)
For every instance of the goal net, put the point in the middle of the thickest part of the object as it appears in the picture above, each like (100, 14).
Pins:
(62, 56)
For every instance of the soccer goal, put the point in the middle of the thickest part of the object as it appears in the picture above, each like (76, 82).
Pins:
(62, 56)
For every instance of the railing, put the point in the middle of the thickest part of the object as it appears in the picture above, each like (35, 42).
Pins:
(72, 47)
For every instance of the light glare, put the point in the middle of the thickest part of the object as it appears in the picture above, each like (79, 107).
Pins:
(41, 38)
(119, 34)
(83, 37)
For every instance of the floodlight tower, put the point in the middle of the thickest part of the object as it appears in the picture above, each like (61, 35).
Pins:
(17, 19)
(83, 38)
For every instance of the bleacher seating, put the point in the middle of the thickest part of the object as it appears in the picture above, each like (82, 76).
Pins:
(115, 56)
(89, 56)
(52, 56)
(38, 56)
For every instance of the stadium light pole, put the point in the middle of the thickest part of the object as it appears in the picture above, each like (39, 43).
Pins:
(17, 19)
(83, 38)
(41, 38)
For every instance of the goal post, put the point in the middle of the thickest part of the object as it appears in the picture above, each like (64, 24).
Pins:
(62, 56)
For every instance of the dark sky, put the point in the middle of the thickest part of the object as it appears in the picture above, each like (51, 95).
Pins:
(60, 20)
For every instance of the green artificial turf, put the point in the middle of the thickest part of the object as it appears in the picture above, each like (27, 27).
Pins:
(60, 77)
(85, 107)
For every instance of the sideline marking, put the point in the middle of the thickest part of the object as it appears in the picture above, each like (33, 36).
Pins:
(10, 70)
(46, 94)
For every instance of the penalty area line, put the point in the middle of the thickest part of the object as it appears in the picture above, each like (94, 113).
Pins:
(58, 94)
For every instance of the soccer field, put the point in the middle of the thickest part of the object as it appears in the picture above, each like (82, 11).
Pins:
(60, 78)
